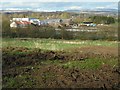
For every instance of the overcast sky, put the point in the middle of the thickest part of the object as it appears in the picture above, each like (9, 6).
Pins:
(57, 5)
(61, 0)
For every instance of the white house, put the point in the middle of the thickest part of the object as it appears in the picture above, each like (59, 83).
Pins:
(20, 19)
(13, 24)
(32, 20)
(22, 24)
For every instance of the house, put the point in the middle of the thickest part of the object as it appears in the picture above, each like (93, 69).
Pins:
(32, 20)
(22, 24)
(13, 25)
(20, 19)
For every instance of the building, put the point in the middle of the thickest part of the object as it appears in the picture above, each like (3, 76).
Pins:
(34, 21)
(88, 24)
(20, 19)
(56, 21)
(22, 24)
(31, 20)
(13, 25)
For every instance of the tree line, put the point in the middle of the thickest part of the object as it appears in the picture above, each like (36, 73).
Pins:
(103, 20)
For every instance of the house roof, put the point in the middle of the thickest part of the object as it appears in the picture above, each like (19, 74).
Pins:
(18, 22)
(22, 22)
(25, 22)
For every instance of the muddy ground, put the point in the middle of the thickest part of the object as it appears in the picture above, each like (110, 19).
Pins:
(23, 68)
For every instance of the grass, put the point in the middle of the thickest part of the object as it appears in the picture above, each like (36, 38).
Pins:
(48, 62)
(53, 44)
(93, 63)
(18, 81)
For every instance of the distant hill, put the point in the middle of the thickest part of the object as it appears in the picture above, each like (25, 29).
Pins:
(75, 11)
(91, 10)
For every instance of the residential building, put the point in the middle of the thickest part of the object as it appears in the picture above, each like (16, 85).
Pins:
(22, 24)
(32, 20)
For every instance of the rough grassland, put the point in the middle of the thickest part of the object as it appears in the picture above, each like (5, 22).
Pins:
(49, 63)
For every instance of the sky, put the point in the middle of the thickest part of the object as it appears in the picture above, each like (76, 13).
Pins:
(61, 0)
(57, 5)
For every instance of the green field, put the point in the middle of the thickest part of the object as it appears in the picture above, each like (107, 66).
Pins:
(54, 44)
